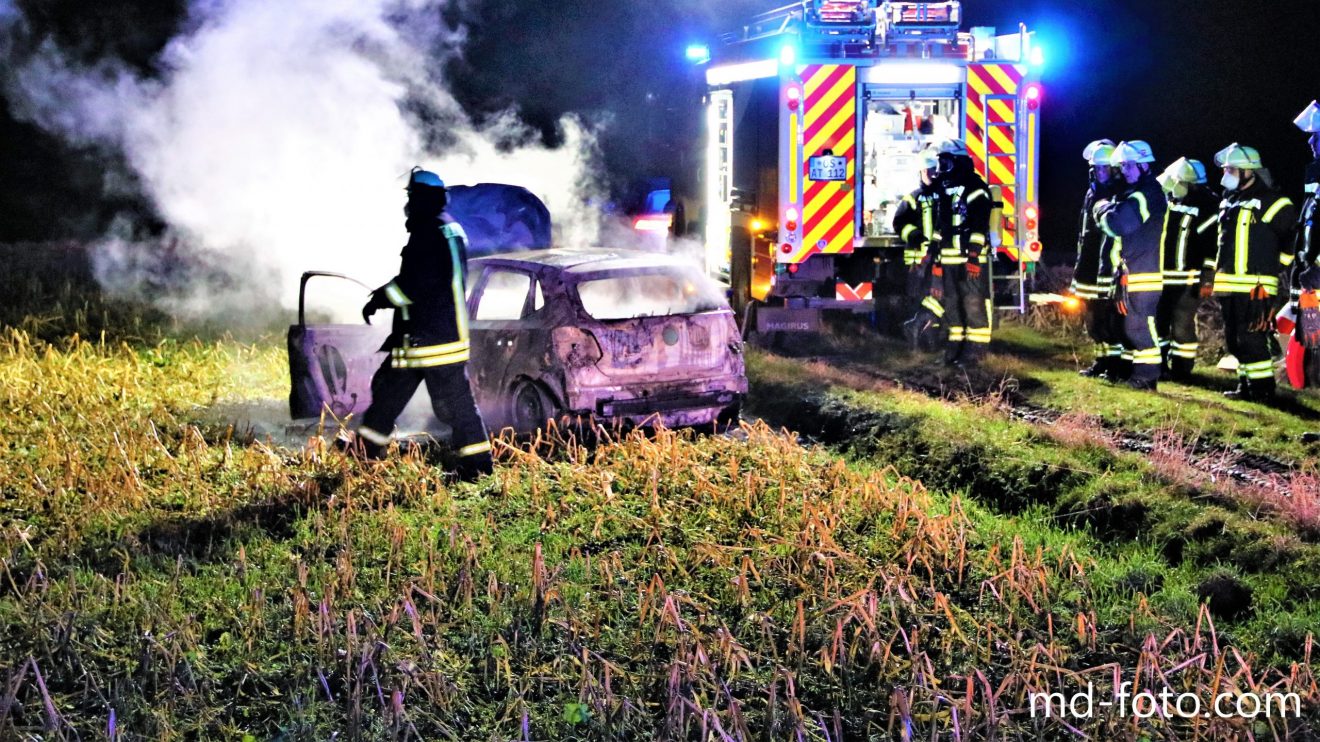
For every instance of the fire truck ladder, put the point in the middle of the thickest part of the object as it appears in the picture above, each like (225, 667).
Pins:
(1009, 159)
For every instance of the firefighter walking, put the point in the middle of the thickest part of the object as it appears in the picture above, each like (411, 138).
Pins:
(1088, 284)
(1189, 240)
(914, 222)
(429, 339)
(1135, 219)
(962, 231)
(1254, 245)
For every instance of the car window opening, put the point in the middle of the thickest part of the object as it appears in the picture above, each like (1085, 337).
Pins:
(504, 296)
(651, 294)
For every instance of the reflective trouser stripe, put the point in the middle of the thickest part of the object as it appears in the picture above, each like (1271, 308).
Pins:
(957, 334)
(978, 335)
(1127, 354)
(432, 361)
(474, 449)
(933, 304)
(1105, 349)
(375, 436)
(1258, 370)
(1185, 350)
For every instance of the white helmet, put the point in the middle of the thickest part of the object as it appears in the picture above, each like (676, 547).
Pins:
(1238, 156)
(1093, 150)
(928, 159)
(955, 147)
(1183, 170)
(1133, 151)
(1309, 120)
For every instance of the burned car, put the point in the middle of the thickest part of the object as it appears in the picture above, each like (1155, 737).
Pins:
(615, 335)
(620, 335)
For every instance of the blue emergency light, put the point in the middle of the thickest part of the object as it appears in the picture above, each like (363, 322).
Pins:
(698, 53)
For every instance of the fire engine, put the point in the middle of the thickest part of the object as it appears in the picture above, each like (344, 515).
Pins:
(815, 117)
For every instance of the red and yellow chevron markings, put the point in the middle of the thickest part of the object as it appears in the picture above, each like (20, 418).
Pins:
(845, 292)
(992, 91)
(829, 93)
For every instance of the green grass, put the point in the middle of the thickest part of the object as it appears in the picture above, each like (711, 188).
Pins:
(1055, 480)
(196, 586)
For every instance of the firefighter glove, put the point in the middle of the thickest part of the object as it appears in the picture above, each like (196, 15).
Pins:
(1207, 282)
(1308, 319)
(973, 270)
(1261, 312)
(1121, 295)
(937, 283)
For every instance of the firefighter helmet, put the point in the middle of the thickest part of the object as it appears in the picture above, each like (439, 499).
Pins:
(424, 178)
(1238, 156)
(1098, 152)
(955, 147)
(1309, 120)
(1133, 151)
(1183, 170)
(928, 159)
(1100, 155)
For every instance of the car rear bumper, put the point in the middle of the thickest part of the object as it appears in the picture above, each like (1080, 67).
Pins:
(671, 405)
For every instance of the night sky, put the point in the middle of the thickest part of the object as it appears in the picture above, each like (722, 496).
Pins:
(1188, 76)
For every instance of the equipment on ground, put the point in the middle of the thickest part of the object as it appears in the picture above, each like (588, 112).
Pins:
(822, 110)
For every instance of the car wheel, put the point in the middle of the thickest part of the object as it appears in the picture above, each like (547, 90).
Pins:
(532, 407)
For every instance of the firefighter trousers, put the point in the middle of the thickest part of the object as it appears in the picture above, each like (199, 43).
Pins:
(1103, 325)
(1175, 319)
(451, 400)
(966, 314)
(1249, 345)
(1141, 338)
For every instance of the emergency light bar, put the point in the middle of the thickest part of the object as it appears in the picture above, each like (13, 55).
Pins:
(926, 14)
(731, 73)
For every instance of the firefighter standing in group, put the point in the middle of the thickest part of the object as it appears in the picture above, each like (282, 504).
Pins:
(1135, 219)
(1189, 239)
(914, 222)
(1305, 282)
(963, 228)
(1087, 284)
(1254, 245)
(429, 340)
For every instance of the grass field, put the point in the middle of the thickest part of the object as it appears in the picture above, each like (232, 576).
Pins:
(918, 576)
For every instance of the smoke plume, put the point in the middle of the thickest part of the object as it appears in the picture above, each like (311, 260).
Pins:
(276, 137)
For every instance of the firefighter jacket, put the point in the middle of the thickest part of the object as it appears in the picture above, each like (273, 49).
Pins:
(915, 220)
(1135, 220)
(1087, 283)
(1308, 224)
(1255, 231)
(1189, 236)
(965, 223)
(429, 297)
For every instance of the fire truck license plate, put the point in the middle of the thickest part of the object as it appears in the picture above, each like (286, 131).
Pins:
(827, 167)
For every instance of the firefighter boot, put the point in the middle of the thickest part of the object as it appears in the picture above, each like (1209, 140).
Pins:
(1180, 369)
(1262, 390)
(1098, 368)
(1120, 370)
(1242, 392)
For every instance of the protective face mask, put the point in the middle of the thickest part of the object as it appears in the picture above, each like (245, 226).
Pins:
(1230, 182)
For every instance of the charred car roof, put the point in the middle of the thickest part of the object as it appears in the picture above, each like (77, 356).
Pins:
(580, 260)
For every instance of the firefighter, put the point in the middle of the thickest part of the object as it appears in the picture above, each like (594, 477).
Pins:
(429, 339)
(1255, 224)
(1135, 219)
(1189, 239)
(914, 222)
(962, 231)
(1306, 273)
(1087, 284)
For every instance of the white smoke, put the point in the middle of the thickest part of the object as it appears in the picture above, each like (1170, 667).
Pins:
(277, 138)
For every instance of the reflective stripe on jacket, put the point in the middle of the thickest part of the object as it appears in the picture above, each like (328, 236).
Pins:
(1254, 246)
